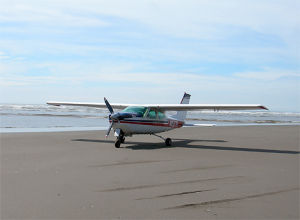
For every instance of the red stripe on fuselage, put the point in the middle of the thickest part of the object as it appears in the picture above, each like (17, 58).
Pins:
(179, 124)
(144, 123)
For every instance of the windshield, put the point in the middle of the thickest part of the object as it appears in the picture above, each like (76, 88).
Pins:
(139, 111)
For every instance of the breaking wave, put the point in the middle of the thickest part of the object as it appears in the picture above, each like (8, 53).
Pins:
(50, 108)
(244, 121)
(53, 115)
(247, 113)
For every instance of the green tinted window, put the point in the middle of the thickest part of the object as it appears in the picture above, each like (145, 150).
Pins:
(161, 115)
(152, 114)
(138, 110)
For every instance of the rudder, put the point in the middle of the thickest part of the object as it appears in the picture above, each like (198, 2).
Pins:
(181, 115)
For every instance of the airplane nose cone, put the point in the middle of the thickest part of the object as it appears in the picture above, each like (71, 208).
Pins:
(115, 116)
(120, 116)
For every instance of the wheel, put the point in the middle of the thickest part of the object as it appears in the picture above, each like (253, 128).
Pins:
(117, 143)
(122, 140)
(168, 142)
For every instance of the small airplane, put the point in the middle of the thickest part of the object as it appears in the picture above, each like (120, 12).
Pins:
(151, 118)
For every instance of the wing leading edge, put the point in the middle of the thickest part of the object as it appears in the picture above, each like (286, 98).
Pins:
(215, 107)
(90, 104)
(169, 107)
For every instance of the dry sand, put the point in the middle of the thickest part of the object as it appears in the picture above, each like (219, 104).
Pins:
(210, 172)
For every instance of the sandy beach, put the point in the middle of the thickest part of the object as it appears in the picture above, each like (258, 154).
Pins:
(247, 172)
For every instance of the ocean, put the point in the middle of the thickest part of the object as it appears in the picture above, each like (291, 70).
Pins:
(42, 118)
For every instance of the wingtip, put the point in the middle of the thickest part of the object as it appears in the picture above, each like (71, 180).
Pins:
(186, 94)
(52, 103)
(263, 107)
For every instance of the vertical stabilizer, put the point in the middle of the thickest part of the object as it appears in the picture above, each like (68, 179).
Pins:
(181, 115)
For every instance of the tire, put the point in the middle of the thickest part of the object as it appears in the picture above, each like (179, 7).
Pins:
(122, 140)
(117, 143)
(168, 142)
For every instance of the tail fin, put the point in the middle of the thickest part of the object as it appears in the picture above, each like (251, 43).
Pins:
(181, 115)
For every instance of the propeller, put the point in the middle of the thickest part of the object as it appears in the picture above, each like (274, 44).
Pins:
(108, 131)
(108, 106)
(111, 112)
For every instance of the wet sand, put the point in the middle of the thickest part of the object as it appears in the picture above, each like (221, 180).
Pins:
(249, 172)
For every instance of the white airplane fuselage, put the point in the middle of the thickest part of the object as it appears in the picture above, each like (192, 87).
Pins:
(139, 125)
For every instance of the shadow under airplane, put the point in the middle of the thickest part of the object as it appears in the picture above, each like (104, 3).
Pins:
(185, 143)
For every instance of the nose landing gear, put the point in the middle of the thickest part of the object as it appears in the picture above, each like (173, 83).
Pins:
(120, 139)
(117, 143)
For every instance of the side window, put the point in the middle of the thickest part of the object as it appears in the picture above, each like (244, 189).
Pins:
(152, 114)
(161, 115)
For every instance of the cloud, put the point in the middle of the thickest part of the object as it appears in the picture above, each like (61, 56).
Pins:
(215, 31)
(3, 56)
(191, 18)
(33, 13)
(80, 73)
(229, 50)
(269, 74)
(121, 83)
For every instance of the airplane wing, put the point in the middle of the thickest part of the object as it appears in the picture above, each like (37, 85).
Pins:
(90, 104)
(215, 107)
(169, 107)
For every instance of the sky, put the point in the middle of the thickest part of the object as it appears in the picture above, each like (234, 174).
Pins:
(151, 51)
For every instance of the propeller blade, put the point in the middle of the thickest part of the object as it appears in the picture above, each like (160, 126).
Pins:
(108, 106)
(108, 131)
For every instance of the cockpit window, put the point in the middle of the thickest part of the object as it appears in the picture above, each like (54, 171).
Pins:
(161, 115)
(139, 111)
(142, 112)
(152, 114)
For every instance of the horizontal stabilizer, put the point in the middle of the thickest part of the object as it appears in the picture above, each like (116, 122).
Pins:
(199, 125)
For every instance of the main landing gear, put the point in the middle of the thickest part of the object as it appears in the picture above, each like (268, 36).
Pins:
(121, 139)
(168, 141)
